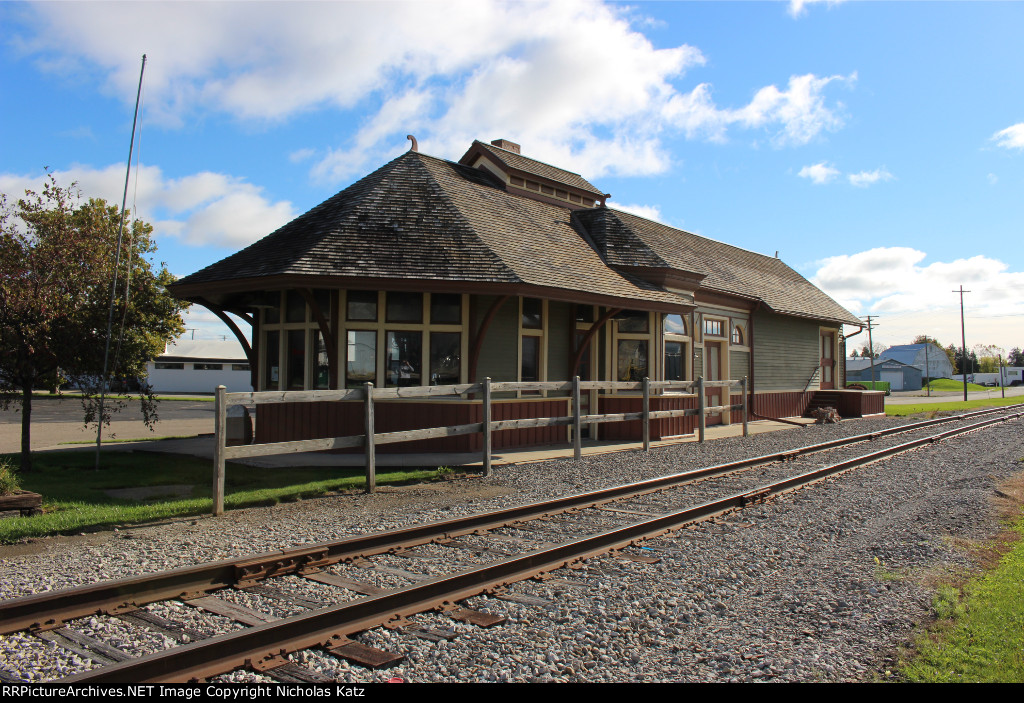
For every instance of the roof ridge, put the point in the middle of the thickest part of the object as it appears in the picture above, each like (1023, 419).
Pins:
(528, 158)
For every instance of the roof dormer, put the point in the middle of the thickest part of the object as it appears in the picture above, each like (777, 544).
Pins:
(531, 178)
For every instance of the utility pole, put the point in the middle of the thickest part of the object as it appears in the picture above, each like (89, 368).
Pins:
(871, 348)
(1002, 387)
(927, 367)
(963, 338)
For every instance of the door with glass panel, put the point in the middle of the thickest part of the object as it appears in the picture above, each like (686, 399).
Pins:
(713, 372)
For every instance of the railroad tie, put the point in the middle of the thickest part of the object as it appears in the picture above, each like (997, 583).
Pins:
(364, 655)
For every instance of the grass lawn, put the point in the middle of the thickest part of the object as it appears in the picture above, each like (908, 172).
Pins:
(75, 497)
(979, 636)
(948, 384)
(903, 410)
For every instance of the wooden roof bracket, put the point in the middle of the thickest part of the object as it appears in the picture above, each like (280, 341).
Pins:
(327, 332)
(574, 363)
(221, 313)
(478, 338)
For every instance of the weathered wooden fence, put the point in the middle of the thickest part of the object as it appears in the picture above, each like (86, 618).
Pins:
(370, 439)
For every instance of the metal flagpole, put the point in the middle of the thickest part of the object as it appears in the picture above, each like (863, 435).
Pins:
(117, 265)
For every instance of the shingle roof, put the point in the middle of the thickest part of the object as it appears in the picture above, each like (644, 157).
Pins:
(420, 218)
(423, 218)
(523, 163)
(856, 363)
(630, 240)
(906, 353)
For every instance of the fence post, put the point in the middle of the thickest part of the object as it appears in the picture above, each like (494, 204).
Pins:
(371, 457)
(220, 414)
(486, 418)
(746, 406)
(577, 440)
(647, 414)
(701, 424)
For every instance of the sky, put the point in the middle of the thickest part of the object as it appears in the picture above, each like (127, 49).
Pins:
(878, 147)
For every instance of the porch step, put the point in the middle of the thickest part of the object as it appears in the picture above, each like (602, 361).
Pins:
(822, 399)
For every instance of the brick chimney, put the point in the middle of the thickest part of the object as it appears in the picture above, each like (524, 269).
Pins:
(507, 145)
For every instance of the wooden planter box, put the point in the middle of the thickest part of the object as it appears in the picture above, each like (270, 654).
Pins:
(27, 502)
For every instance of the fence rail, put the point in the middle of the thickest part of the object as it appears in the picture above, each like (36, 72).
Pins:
(369, 439)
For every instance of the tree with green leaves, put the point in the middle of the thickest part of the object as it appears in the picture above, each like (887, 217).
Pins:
(1016, 357)
(57, 267)
(988, 357)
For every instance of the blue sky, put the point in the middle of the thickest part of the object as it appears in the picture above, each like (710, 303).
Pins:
(878, 147)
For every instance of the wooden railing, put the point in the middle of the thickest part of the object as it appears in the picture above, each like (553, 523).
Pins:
(370, 439)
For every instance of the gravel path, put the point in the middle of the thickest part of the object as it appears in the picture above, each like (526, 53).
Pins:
(824, 584)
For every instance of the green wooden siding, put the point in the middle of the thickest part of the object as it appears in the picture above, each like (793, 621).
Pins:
(786, 352)
(561, 323)
(499, 355)
(739, 364)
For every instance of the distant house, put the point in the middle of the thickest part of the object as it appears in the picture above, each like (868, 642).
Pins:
(900, 376)
(918, 355)
(199, 367)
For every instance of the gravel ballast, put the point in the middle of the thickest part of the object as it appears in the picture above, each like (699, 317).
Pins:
(821, 585)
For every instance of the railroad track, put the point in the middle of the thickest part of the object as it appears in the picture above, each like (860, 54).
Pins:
(382, 579)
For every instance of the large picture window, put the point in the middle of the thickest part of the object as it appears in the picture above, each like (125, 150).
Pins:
(404, 363)
(445, 358)
(361, 358)
(676, 348)
(385, 338)
(532, 353)
(632, 360)
(292, 350)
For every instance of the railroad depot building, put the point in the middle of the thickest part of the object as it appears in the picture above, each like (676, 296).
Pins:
(431, 272)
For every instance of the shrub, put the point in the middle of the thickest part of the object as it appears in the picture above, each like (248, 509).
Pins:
(8, 478)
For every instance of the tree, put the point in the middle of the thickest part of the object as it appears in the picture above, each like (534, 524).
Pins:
(988, 357)
(958, 365)
(1016, 357)
(56, 269)
(878, 349)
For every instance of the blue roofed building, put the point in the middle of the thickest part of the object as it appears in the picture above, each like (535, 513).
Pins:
(930, 359)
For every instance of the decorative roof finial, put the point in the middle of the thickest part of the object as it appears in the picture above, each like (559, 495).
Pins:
(415, 146)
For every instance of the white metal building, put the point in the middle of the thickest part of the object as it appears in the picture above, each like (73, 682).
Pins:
(200, 366)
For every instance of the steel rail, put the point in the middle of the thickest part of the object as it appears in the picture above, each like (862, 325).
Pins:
(53, 608)
(267, 646)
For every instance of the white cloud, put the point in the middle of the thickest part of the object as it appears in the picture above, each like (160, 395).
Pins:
(651, 212)
(822, 173)
(797, 7)
(867, 178)
(1010, 138)
(913, 297)
(992, 179)
(599, 97)
(205, 208)
(819, 173)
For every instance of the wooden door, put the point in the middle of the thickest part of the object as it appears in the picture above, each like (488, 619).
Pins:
(828, 362)
(713, 372)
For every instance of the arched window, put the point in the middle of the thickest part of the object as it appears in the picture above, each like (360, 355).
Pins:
(737, 335)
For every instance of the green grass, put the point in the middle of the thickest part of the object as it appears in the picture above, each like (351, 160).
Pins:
(979, 634)
(904, 410)
(74, 498)
(948, 384)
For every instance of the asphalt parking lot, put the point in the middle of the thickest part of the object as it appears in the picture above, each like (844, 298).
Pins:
(58, 420)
